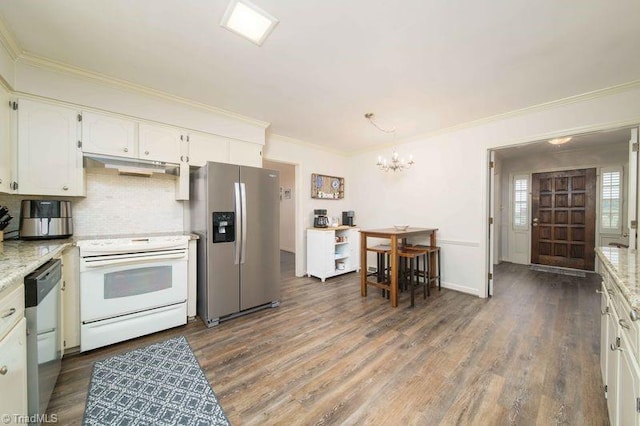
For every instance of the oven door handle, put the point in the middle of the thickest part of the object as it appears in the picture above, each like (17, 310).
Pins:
(129, 260)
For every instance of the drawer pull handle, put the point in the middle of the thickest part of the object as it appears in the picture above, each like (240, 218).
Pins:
(4, 370)
(634, 315)
(9, 313)
(623, 324)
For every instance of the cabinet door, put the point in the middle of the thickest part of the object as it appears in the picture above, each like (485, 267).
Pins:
(329, 244)
(628, 388)
(159, 143)
(613, 367)
(49, 160)
(106, 135)
(604, 334)
(204, 147)
(71, 298)
(245, 153)
(6, 158)
(354, 245)
(13, 383)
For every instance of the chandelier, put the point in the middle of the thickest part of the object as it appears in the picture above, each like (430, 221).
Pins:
(396, 163)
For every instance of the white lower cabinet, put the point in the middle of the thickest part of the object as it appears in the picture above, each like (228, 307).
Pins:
(13, 374)
(619, 355)
(332, 251)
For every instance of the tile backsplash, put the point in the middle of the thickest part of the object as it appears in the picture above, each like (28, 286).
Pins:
(117, 204)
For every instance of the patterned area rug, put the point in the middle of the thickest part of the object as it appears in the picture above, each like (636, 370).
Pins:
(161, 384)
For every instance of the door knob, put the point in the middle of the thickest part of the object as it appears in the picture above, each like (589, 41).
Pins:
(66, 188)
(146, 153)
(126, 150)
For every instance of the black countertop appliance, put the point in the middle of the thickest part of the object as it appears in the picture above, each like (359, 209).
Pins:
(320, 219)
(348, 218)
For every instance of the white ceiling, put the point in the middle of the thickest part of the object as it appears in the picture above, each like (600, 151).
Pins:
(617, 140)
(419, 65)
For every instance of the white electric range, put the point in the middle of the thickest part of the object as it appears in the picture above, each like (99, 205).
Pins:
(130, 287)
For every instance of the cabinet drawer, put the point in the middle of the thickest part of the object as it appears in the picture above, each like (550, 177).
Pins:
(11, 310)
(630, 328)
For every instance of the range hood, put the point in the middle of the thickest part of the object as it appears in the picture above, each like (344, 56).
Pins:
(130, 166)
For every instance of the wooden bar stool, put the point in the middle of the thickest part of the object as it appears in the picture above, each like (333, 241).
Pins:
(411, 274)
(430, 251)
(382, 266)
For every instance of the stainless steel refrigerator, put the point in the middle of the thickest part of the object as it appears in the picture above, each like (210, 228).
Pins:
(236, 213)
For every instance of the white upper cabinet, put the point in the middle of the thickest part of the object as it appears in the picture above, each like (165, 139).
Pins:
(161, 143)
(107, 135)
(5, 142)
(245, 153)
(204, 147)
(49, 160)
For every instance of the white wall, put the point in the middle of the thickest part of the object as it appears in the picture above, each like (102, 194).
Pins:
(287, 205)
(310, 159)
(447, 188)
(602, 156)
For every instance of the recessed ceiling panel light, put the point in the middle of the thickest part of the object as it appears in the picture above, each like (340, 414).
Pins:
(248, 20)
(559, 141)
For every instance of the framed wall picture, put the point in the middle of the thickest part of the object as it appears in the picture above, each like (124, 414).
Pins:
(327, 187)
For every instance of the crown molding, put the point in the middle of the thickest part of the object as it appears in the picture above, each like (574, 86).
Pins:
(8, 41)
(595, 94)
(37, 61)
(300, 142)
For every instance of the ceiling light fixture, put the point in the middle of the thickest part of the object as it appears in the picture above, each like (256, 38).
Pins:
(248, 20)
(396, 163)
(559, 141)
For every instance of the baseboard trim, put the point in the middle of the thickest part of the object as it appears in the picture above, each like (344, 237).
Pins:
(461, 288)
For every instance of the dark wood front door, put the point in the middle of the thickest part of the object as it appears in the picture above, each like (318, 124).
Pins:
(564, 218)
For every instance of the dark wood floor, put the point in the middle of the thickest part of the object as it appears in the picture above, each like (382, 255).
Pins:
(527, 356)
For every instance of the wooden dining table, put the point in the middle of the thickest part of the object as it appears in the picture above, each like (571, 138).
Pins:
(395, 236)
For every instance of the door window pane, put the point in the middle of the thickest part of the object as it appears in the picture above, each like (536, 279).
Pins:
(521, 202)
(610, 201)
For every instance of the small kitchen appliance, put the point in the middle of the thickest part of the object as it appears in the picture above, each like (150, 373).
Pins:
(45, 219)
(320, 219)
(348, 218)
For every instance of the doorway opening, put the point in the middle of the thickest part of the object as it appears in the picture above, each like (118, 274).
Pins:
(288, 197)
(541, 198)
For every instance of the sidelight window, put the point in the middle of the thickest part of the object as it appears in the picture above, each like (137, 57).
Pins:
(611, 200)
(521, 202)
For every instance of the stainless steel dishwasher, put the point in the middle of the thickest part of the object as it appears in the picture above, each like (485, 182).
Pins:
(44, 351)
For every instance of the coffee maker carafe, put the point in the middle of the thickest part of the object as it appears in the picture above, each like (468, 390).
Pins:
(320, 219)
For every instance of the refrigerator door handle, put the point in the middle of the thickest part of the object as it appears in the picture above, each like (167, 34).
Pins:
(243, 195)
(238, 228)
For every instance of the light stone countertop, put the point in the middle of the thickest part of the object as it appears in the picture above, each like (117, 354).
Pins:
(19, 258)
(624, 266)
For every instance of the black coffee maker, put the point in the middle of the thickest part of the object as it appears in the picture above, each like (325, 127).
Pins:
(320, 219)
(348, 218)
